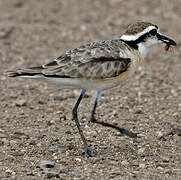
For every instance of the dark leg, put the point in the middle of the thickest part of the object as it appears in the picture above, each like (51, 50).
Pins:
(75, 117)
(120, 129)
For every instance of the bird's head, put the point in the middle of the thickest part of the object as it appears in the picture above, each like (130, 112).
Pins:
(143, 35)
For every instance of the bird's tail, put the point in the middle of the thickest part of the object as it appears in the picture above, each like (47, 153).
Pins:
(33, 72)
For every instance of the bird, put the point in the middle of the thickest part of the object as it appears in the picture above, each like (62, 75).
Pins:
(99, 66)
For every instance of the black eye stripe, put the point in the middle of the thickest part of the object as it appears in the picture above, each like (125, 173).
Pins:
(134, 43)
(153, 32)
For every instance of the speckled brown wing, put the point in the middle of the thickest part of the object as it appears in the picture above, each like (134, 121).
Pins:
(93, 61)
(105, 59)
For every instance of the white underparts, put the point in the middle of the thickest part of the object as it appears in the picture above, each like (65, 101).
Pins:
(143, 49)
(74, 83)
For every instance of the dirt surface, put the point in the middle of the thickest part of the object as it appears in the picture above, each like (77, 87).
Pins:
(38, 139)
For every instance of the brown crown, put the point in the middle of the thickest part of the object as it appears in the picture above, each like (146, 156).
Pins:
(138, 27)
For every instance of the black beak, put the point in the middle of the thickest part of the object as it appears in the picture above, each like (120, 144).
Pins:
(166, 40)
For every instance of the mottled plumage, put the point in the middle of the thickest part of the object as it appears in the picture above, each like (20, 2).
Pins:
(99, 66)
(99, 60)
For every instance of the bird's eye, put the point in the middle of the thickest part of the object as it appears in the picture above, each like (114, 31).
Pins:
(153, 32)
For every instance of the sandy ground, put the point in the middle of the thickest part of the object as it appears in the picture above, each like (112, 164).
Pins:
(38, 139)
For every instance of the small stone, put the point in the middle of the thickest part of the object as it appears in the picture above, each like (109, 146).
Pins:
(165, 159)
(9, 171)
(159, 168)
(49, 123)
(29, 173)
(41, 102)
(21, 102)
(174, 93)
(3, 135)
(78, 159)
(46, 164)
(175, 130)
(63, 117)
(159, 134)
(142, 166)
(138, 111)
(18, 3)
(2, 131)
(125, 163)
(51, 174)
(176, 115)
(59, 97)
(5, 33)
(12, 142)
(92, 133)
(141, 150)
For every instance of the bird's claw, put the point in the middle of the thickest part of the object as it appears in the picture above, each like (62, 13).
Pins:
(88, 152)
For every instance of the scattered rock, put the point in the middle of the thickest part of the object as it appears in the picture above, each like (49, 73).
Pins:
(92, 133)
(165, 159)
(41, 102)
(20, 134)
(3, 135)
(21, 102)
(5, 32)
(160, 168)
(63, 117)
(141, 150)
(52, 174)
(175, 130)
(138, 111)
(29, 173)
(18, 3)
(78, 159)
(159, 134)
(46, 164)
(142, 166)
(176, 115)
(125, 163)
(59, 97)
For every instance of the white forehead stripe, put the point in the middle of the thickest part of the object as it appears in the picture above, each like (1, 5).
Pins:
(136, 36)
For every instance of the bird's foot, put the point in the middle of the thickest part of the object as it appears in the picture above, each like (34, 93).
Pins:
(88, 152)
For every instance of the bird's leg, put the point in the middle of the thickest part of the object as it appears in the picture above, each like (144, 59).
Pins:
(96, 97)
(75, 117)
(120, 129)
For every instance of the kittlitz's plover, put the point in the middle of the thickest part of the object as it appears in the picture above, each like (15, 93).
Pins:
(99, 66)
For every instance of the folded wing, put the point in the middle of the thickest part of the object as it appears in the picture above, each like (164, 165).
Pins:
(93, 61)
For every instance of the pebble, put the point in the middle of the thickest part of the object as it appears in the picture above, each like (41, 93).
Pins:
(46, 164)
(176, 115)
(21, 102)
(125, 163)
(159, 168)
(59, 97)
(78, 159)
(92, 133)
(5, 33)
(165, 159)
(29, 173)
(142, 166)
(3, 135)
(159, 134)
(175, 130)
(51, 174)
(138, 111)
(141, 150)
